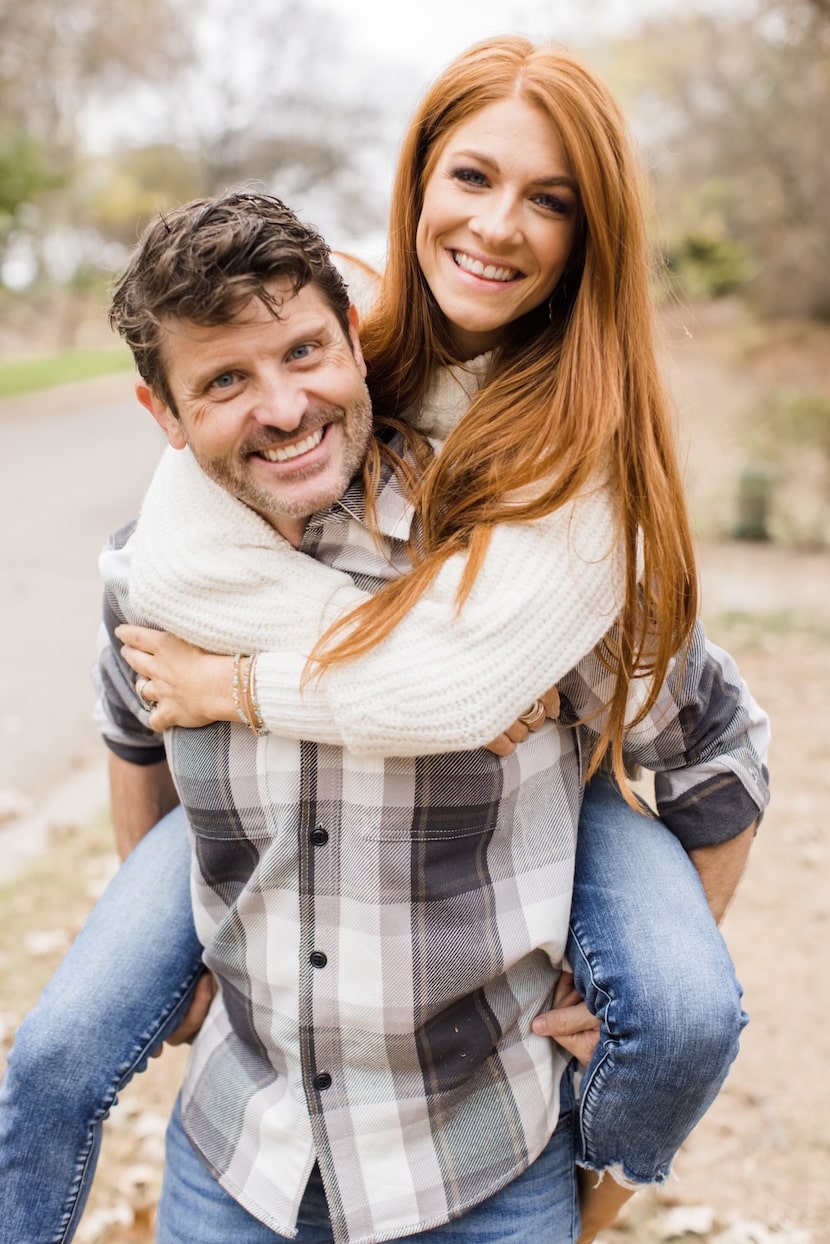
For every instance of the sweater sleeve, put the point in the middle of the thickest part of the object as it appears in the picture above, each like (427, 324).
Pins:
(443, 680)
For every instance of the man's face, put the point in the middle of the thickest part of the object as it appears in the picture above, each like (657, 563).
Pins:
(276, 411)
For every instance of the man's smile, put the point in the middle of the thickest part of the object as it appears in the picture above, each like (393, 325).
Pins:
(284, 453)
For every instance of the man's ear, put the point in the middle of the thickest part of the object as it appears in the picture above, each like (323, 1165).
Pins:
(354, 337)
(161, 412)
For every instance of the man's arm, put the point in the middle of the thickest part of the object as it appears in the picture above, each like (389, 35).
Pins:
(721, 867)
(140, 795)
(705, 740)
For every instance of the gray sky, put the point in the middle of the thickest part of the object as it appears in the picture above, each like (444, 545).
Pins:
(429, 33)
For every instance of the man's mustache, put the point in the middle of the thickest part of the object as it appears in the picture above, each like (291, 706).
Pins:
(273, 438)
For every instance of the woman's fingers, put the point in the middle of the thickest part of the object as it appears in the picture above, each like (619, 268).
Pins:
(142, 638)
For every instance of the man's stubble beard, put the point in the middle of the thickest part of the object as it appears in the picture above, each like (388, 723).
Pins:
(232, 476)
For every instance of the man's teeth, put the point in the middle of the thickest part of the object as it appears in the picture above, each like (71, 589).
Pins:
(286, 452)
(489, 271)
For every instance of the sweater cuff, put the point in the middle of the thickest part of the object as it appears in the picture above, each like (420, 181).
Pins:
(288, 710)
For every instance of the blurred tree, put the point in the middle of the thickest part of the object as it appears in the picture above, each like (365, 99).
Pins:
(733, 109)
(279, 102)
(59, 62)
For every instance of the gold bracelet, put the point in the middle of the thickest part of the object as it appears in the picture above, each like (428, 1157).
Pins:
(257, 724)
(236, 686)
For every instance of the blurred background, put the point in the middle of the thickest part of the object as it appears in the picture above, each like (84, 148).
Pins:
(110, 111)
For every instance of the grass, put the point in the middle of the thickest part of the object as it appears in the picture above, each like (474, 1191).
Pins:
(45, 371)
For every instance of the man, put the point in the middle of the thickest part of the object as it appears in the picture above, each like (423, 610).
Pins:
(383, 933)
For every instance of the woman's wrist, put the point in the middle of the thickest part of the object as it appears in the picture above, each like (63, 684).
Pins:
(218, 690)
(243, 691)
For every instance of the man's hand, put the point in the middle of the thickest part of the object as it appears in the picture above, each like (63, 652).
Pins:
(569, 1023)
(507, 741)
(203, 994)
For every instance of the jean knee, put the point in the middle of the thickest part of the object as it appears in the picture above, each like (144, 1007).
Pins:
(688, 1032)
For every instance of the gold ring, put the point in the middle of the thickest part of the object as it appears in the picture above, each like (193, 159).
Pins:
(140, 684)
(534, 716)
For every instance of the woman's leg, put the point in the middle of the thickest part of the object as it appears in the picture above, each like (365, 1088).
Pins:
(123, 986)
(650, 962)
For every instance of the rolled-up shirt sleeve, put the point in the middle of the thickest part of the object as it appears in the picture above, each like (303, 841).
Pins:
(706, 740)
(121, 717)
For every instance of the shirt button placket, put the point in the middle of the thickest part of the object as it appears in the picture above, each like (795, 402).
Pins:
(318, 959)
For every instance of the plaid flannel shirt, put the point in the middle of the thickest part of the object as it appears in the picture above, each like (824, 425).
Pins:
(385, 930)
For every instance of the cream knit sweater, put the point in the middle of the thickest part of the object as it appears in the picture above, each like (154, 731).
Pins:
(207, 568)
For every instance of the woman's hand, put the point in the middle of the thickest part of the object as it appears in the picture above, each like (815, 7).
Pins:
(188, 686)
(544, 709)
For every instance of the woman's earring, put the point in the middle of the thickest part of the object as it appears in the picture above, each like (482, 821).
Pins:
(560, 295)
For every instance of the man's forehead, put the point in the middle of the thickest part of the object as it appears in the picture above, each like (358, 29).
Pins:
(288, 303)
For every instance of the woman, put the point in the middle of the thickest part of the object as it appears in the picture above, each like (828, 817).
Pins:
(570, 395)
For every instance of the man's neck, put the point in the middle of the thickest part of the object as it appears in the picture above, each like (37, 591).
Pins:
(291, 529)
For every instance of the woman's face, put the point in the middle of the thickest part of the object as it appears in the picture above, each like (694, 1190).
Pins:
(498, 222)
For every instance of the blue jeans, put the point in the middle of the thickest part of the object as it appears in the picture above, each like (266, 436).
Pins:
(540, 1204)
(647, 957)
(124, 985)
(650, 961)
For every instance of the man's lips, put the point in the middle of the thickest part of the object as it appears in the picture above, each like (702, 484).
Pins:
(284, 453)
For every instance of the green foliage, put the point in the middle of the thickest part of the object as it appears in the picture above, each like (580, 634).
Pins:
(44, 372)
(788, 438)
(788, 419)
(710, 266)
(731, 106)
(24, 173)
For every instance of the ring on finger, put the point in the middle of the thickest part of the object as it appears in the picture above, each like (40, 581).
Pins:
(534, 716)
(140, 686)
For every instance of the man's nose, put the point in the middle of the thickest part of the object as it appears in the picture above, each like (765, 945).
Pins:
(280, 403)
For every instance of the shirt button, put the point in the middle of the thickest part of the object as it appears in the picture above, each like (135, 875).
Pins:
(317, 959)
(319, 836)
(322, 1081)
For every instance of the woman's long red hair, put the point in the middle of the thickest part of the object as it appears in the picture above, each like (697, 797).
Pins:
(574, 393)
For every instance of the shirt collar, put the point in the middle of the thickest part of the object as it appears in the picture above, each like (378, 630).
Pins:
(394, 513)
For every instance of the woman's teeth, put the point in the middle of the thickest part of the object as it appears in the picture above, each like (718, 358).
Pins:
(489, 271)
(286, 452)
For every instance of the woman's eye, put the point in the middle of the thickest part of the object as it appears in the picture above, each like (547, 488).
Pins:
(469, 176)
(555, 204)
(223, 381)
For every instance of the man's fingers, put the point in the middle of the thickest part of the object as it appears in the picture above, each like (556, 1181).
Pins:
(566, 1021)
(196, 1011)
